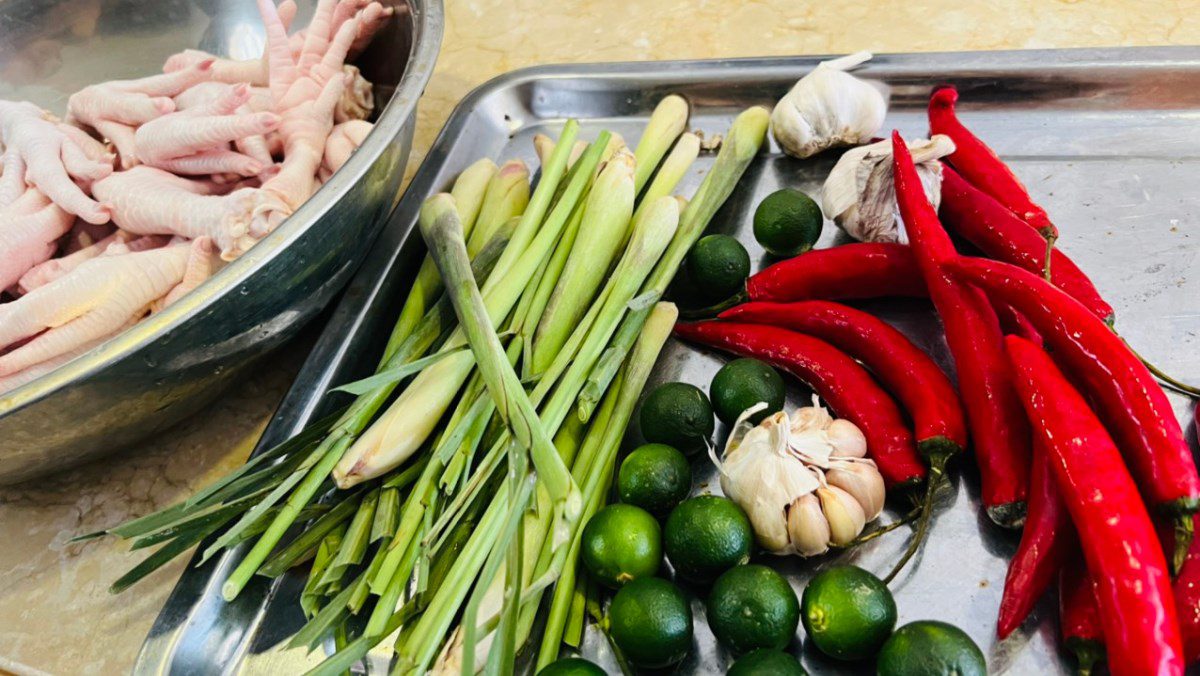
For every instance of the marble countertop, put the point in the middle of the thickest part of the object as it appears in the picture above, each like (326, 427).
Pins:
(55, 613)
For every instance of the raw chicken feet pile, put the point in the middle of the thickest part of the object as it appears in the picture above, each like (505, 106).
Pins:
(148, 185)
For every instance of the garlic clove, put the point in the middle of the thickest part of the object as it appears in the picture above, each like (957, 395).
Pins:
(843, 513)
(810, 418)
(847, 440)
(808, 526)
(863, 482)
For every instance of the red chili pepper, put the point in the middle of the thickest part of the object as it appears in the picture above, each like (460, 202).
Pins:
(1013, 323)
(835, 377)
(1045, 541)
(1125, 393)
(998, 233)
(901, 367)
(1133, 589)
(1187, 602)
(980, 165)
(1079, 614)
(862, 270)
(999, 431)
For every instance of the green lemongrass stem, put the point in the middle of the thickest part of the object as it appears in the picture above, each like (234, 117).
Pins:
(577, 614)
(492, 568)
(506, 198)
(649, 240)
(656, 330)
(672, 171)
(302, 546)
(468, 192)
(390, 598)
(320, 462)
(310, 596)
(443, 234)
(422, 642)
(354, 544)
(410, 419)
(602, 231)
(739, 148)
(532, 218)
(666, 123)
(544, 147)
(614, 356)
(302, 495)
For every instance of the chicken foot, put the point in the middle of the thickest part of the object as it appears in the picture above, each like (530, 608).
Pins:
(29, 231)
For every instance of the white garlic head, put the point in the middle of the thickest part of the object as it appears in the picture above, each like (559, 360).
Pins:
(829, 108)
(860, 196)
(801, 490)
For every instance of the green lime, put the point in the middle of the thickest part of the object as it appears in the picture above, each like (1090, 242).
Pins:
(621, 543)
(679, 415)
(764, 662)
(787, 222)
(752, 607)
(706, 536)
(571, 666)
(930, 648)
(718, 266)
(848, 612)
(651, 621)
(742, 383)
(654, 477)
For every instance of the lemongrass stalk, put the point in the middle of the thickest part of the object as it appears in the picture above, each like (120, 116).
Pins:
(739, 148)
(310, 595)
(673, 169)
(649, 240)
(468, 192)
(655, 332)
(667, 122)
(354, 544)
(506, 198)
(532, 218)
(544, 147)
(603, 228)
(411, 418)
(577, 613)
(443, 233)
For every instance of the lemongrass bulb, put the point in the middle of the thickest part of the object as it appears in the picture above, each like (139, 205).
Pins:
(807, 526)
(847, 440)
(863, 482)
(844, 514)
(828, 108)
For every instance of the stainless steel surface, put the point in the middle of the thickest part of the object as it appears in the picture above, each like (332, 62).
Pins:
(1108, 141)
(167, 367)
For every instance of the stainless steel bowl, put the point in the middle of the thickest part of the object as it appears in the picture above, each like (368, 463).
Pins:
(170, 365)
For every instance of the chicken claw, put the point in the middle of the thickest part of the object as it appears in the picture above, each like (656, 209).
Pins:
(116, 108)
(41, 152)
(29, 232)
(151, 201)
(98, 298)
(196, 140)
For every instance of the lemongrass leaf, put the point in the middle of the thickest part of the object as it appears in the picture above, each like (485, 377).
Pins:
(394, 375)
(312, 536)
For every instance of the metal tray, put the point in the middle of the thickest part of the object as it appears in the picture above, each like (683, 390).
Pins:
(1108, 141)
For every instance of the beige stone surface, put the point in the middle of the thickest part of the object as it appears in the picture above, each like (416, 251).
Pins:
(55, 615)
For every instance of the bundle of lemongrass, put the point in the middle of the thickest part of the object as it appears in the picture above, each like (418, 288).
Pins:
(526, 339)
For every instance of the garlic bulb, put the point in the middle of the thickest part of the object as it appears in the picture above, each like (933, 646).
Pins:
(859, 194)
(802, 479)
(828, 108)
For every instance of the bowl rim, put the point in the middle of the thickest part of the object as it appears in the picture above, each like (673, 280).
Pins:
(427, 27)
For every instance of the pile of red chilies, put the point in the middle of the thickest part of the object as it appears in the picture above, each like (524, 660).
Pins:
(1029, 338)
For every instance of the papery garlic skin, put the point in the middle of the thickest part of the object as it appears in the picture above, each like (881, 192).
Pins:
(828, 108)
(762, 477)
(801, 492)
(860, 196)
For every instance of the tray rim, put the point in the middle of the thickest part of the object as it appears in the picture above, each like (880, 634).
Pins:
(327, 354)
